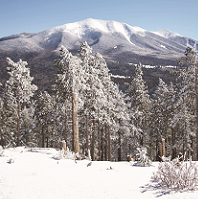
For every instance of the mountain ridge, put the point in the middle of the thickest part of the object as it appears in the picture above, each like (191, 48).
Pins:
(93, 29)
(119, 43)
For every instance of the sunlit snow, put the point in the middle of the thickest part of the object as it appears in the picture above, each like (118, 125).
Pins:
(79, 28)
(163, 46)
(167, 34)
(27, 173)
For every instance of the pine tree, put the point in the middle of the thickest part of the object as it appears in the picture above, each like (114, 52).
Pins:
(161, 115)
(122, 127)
(107, 101)
(7, 118)
(20, 86)
(44, 111)
(69, 80)
(95, 99)
(184, 118)
(87, 60)
(140, 104)
(28, 136)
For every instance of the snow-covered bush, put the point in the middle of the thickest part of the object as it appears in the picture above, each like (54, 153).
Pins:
(177, 175)
(67, 154)
(143, 159)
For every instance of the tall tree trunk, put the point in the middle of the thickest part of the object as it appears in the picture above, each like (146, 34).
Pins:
(119, 148)
(1, 143)
(196, 87)
(87, 126)
(18, 119)
(157, 150)
(142, 141)
(65, 125)
(87, 133)
(93, 140)
(106, 146)
(173, 143)
(109, 143)
(47, 145)
(102, 144)
(43, 136)
(76, 147)
(163, 148)
(99, 140)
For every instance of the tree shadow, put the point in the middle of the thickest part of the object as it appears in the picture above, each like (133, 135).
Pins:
(157, 188)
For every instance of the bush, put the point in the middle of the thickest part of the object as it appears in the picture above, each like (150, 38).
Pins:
(143, 159)
(177, 175)
(67, 154)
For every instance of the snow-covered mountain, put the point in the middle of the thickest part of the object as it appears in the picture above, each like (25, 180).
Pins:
(110, 38)
(119, 43)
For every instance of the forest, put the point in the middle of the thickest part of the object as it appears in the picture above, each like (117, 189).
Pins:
(89, 112)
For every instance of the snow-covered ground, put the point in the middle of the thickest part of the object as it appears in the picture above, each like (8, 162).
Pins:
(40, 173)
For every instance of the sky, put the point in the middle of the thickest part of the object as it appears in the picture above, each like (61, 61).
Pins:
(180, 16)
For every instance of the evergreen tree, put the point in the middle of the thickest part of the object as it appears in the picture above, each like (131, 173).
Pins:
(95, 99)
(44, 115)
(87, 64)
(69, 80)
(122, 129)
(7, 122)
(140, 104)
(107, 101)
(184, 119)
(28, 136)
(21, 88)
(161, 115)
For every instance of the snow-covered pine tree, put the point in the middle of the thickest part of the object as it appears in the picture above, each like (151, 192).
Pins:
(28, 136)
(102, 107)
(69, 80)
(95, 99)
(44, 112)
(171, 110)
(63, 86)
(184, 120)
(7, 118)
(140, 104)
(107, 102)
(122, 136)
(160, 115)
(21, 87)
(63, 114)
(87, 60)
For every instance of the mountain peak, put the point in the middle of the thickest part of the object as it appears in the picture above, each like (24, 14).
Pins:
(84, 27)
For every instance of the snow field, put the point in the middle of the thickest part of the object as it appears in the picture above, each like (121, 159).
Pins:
(41, 174)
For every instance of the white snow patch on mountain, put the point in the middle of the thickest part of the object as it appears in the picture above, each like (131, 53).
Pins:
(167, 34)
(120, 76)
(163, 46)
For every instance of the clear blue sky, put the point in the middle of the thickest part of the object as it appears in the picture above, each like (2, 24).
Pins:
(181, 16)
